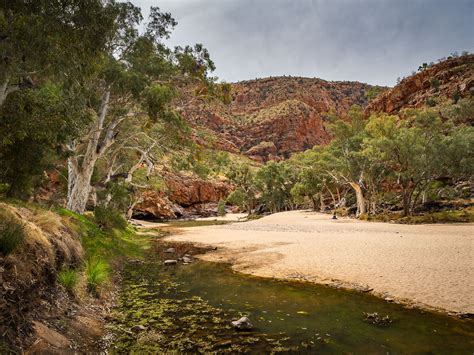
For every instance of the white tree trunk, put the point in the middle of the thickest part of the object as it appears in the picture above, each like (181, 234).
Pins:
(80, 174)
(79, 189)
(360, 198)
(6, 89)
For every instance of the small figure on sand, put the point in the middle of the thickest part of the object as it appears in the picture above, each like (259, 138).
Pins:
(334, 215)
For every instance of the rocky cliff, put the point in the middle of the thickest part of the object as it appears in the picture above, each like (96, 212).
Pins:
(185, 195)
(271, 118)
(450, 78)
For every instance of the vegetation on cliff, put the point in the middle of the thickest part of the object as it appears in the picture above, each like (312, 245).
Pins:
(380, 164)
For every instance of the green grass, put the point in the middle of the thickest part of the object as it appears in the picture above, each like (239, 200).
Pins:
(448, 216)
(97, 273)
(107, 244)
(104, 248)
(12, 234)
(68, 278)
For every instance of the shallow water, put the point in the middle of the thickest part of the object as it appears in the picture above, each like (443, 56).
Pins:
(190, 306)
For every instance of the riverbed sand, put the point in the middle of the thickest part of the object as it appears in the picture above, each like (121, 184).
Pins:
(428, 266)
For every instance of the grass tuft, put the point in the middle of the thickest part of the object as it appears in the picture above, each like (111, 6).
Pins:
(97, 273)
(68, 278)
(12, 234)
(48, 221)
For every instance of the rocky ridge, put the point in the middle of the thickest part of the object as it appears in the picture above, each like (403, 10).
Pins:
(449, 78)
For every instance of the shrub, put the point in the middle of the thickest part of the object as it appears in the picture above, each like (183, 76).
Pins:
(435, 83)
(221, 208)
(68, 278)
(109, 219)
(431, 101)
(97, 273)
(12, 234)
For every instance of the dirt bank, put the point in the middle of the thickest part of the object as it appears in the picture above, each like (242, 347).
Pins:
(428, 266)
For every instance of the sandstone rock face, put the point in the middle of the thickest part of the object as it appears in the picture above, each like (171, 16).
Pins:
(188, 190)
(454, 75)
(273, 117)
(157, 205)
(185, 196)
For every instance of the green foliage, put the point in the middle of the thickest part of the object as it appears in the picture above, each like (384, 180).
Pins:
(221, 208)
(275, 181)
(226, 90)
(237, 198)
(109, 219)
(68, 278)
(34, 125)
(448, 216)
(373, 92)
(386, 160)
(431, 101)
(12, 234)
(243, 176)
(156, 99)
(97, 273)
(456, 96)
(434, 82)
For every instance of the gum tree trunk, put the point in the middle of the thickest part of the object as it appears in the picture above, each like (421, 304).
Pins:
(360, 199)
(81, 166)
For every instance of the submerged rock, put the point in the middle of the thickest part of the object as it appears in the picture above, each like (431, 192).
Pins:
(171, 262)
(242, 324)
(377, 319)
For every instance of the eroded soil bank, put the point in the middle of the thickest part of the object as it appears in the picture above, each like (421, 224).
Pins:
(425, 266)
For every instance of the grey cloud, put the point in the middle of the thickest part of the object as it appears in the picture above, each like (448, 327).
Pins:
(372, 41)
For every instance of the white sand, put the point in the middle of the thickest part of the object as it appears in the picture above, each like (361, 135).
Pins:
(430, 266)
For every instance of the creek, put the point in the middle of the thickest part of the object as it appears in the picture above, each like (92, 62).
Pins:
(188, 309)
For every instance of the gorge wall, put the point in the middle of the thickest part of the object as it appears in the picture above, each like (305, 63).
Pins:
(271, 118)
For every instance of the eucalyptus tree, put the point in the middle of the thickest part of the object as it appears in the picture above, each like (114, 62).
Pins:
(138, 81)
(417, 149)
(312, 178)
(349, 165)
(44, 39)
(274, 181)
(48, 49)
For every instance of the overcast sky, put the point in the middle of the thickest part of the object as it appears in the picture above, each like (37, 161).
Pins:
(373, 41)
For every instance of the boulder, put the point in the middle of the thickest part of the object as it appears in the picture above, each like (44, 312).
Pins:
(242, 324)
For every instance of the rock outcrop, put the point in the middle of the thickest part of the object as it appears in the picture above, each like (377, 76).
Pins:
(184, 196)
(449, 78)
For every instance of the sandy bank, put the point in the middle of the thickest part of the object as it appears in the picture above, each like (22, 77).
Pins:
(430, 266)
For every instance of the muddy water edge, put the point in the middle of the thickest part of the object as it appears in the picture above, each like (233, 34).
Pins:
(187, 308)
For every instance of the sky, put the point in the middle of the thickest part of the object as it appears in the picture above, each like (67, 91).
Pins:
(372, 41)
